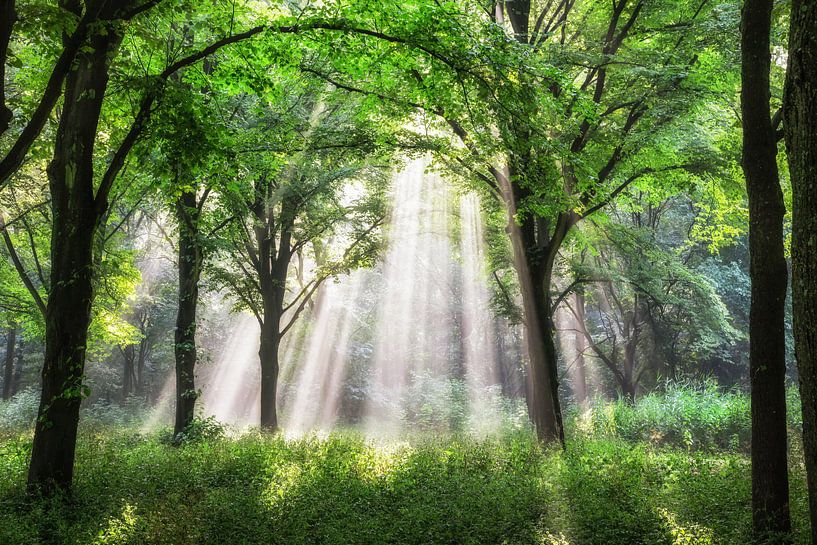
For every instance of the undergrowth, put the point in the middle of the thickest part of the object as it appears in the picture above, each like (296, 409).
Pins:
(260, 489)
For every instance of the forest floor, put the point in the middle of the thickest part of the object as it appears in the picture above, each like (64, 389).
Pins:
(138, 489)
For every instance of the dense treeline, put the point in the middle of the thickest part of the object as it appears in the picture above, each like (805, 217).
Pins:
(645, 170)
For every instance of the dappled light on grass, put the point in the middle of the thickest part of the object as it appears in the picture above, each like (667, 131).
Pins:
(345, 490)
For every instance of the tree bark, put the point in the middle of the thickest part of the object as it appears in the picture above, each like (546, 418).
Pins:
(128, 371)
(272, 280)
(190, 262)
(268, 354)
(534, 285)
(768, 272)
(75, 218)
(8, 368)
(800, 126)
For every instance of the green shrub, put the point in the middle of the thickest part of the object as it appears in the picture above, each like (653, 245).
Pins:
(692, 417)
(262, 489)
(19, 412)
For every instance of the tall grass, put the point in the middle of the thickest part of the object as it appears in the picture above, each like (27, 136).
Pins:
(688, 416)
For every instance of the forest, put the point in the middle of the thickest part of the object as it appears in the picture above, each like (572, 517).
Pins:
(408, 272)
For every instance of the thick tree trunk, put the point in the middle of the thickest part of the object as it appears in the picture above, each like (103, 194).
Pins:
(190, 261)
(75, 218)
(534, 286)
(268, 354)
(272, 281)
(800, 125)
(8, 367)
(768, 272)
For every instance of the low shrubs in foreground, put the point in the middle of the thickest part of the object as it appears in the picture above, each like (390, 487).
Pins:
(259, 489)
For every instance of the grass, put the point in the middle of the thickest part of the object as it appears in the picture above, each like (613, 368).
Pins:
(671, 469)
(258, 489)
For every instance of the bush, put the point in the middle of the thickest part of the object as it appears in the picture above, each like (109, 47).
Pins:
(692, 417)
(20, 412)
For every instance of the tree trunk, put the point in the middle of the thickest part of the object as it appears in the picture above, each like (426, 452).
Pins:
(800, 125)
(767, 269)
(8, 368)
(268, 354)
(190, 261)
(580, 344)
(18, 368)
(272, 280)
(534, 286)
(75, 218)
(141, 360)
(128, 371)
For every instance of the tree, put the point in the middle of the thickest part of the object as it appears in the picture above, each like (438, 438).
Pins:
(800, 126)
(8, 366)
(768, 272)
(290, 200)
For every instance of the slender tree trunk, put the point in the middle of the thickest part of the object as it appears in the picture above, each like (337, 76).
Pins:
(75, 219)
(140, 367)
(190, 262)
(128, 371)
(800, 125)
(18, 368)
(629, 383)
(8, 368)
(580, 344)
(768, 272)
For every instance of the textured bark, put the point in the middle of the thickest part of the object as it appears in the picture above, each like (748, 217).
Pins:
(190, 262)
(272, 276)
(768, 272)
(8, 367)
(800, 125)
(75, 218)
(534, 275)
(268, 355)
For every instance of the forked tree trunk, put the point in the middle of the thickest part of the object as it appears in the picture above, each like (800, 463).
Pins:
(768, 272)
(534, 286)
(272, 280)
(8, 367)
(75, 219)
(190, 262)
(800, 124)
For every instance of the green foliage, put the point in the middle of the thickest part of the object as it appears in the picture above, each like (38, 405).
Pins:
(258, 489)
(693, 417)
